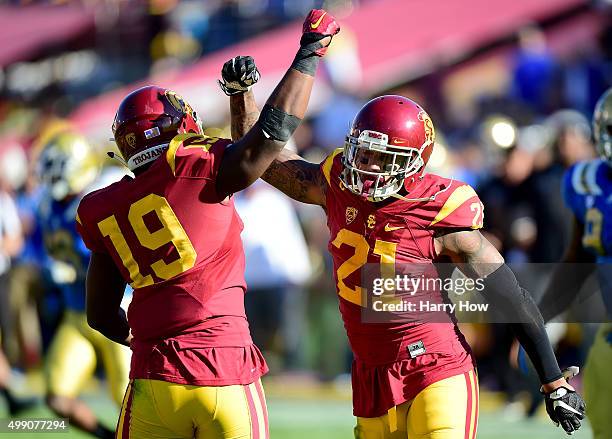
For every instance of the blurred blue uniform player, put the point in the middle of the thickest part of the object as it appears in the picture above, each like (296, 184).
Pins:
(587, 190)
(68, 169)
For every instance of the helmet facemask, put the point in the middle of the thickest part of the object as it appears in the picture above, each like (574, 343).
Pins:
(604, 143)
(602, 126)
(376, 170)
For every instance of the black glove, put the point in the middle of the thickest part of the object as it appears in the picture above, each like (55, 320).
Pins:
(238, 75)
(565, 407)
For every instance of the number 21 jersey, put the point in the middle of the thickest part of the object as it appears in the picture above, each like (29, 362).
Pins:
(395, 358)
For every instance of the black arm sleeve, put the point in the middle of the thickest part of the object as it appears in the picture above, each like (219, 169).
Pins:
(519, 310)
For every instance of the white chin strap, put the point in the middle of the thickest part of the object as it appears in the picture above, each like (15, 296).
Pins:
(146, 156)
(430, 198)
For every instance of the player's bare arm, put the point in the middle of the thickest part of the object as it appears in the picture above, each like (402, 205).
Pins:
(105, 288)
(565, 283)
(291, 174)
(477, 257)
(297, 178)
(247, 159)
(244, 114)
(474, 254)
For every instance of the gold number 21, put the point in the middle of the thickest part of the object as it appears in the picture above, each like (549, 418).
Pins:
(171, 232)
(386, 251)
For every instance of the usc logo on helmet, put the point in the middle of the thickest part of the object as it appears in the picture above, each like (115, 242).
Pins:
(179, 103)
(430, 132)
(130, 139)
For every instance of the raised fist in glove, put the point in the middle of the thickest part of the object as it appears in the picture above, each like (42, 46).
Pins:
(238, 75)
(317, 32)
(565, 406)
(317, 26)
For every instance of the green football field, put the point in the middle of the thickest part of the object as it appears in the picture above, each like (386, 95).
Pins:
(330, 418)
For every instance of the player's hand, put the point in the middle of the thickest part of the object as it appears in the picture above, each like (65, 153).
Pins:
(238, 75)
(564, 405)
(318, 30)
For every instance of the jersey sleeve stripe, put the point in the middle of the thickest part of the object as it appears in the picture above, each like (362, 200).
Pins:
(456, 199)
(327, 165)
(578, 179)
(175, 143)
(78, 219)
(179, 140)
(590, 178)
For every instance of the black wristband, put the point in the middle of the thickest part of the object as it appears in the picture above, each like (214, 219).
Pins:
(518, 308)
(306, 60)
(277, 124)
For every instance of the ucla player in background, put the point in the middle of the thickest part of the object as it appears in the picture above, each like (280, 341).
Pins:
(68, 168)
(587, 190)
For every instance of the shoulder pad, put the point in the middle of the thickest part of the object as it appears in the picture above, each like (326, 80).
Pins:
(187, 154)
(86, 227)
(460, 207)
(582, 178)
(327, 164)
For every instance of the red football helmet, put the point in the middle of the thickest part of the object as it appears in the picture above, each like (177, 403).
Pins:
(391, 139)
(147, 119)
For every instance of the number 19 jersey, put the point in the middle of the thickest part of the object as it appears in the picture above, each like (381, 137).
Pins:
(177, 243)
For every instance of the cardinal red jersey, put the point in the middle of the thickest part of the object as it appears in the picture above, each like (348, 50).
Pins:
(397, 358)
(177, 243)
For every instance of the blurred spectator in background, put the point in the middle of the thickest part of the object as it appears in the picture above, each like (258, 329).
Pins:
(25, 291)
(11, 241)
(277, 267)
(504, 193)
(68, 168)
(561, 141)
(536, 74)
(588, 73)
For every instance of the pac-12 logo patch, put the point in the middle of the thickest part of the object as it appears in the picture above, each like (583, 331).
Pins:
(351, 214)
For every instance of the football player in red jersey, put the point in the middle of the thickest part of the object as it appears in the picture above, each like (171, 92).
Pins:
(173, 234)
(412, 379)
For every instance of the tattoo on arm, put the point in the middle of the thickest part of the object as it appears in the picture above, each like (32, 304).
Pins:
(244, 114)
(474, 254)
(297, 178)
